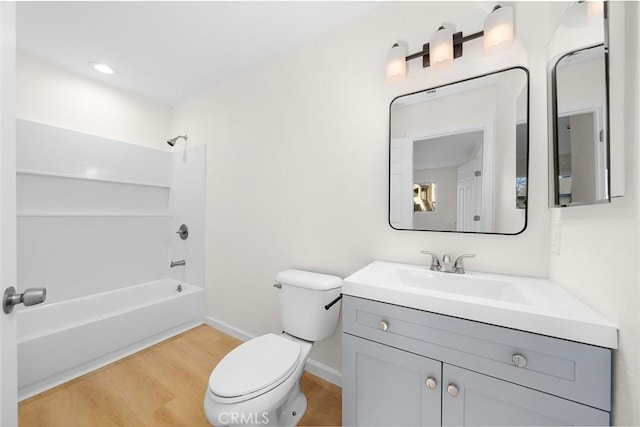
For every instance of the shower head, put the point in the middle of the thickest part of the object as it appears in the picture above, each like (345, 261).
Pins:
(172, 141)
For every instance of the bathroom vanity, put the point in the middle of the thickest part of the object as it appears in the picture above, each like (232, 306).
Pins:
(431, 348)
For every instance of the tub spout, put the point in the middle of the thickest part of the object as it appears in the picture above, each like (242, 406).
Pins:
(177, 263)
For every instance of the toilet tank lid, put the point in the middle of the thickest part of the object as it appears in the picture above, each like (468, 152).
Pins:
(309, 280)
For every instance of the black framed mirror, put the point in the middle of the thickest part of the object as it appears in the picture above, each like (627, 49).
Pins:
(579, 108)
(458, 156)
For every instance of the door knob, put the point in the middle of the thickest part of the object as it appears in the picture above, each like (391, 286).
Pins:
(30, 296)
(383, 326)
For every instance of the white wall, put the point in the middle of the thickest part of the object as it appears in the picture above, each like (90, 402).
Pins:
(298, 160)
(598, 251)
(50, 95)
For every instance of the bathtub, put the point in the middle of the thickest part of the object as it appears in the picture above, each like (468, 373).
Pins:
(63, 340)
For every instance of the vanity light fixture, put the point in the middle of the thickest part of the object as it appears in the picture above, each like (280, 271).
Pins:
(103, 68)
(441, 47)
(595, 9)
(396, 63)
(445, 45)
(498, 30)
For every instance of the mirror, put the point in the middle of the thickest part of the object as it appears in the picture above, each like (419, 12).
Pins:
(579, 140)
(458, 156)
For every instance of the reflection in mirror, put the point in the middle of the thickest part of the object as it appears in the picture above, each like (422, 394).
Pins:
(424, 197)
(458, 156)
(578, 113)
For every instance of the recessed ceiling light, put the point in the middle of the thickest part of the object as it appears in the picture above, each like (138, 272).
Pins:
(103, 68)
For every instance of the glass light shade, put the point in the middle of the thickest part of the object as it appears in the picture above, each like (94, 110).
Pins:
(441, 47)
(396, 62)
(498, 30)
(595, 9)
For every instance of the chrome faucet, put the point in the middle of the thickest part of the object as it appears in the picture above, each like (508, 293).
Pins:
(177, 263)
(435, 261)
(445, 266)
(458, 267)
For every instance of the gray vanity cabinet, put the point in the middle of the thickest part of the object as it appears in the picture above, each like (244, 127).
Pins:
(387, 386)
(407, 367)
(482, 400)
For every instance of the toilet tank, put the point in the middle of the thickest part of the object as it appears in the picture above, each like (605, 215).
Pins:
(302, 299)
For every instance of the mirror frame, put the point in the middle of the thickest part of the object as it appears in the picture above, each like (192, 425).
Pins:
(526, 208)
(554, 161)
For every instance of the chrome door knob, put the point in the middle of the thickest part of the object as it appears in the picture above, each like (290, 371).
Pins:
(383, 326)
(31, 296)
(431, 383)
(452, 390)
(519, 360)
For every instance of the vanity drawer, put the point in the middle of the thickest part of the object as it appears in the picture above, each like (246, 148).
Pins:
(568, 369)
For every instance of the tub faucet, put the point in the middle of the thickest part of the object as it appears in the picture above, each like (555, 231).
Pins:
(177, 263)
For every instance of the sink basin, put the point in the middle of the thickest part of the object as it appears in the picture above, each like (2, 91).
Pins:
(524, 303)
(469, 285)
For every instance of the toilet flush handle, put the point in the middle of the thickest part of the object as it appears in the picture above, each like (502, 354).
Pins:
(332, 303)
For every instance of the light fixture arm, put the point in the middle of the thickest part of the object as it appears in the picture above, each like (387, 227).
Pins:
(458, 41)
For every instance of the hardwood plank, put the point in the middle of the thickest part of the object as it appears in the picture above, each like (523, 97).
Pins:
(163, 385)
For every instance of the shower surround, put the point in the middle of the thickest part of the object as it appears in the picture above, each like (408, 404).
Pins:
(97, 222)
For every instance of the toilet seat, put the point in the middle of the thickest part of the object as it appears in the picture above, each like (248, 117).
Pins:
(254, 367)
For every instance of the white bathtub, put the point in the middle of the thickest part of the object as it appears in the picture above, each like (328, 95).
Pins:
(63, 340)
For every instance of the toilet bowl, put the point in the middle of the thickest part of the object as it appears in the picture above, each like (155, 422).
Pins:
(258, 383)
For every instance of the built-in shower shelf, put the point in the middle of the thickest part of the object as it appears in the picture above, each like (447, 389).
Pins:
(92, 214)
(89, 178)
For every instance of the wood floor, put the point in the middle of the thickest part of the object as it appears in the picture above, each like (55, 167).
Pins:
(163, 385)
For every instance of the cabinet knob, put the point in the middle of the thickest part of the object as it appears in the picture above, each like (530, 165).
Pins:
(452, 390)
(519, 360)
(383, 325)
(431, 383)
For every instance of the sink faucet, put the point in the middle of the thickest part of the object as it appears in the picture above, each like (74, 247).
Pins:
(435, 261)
(445, 266)
(458, 267)
(177, 263)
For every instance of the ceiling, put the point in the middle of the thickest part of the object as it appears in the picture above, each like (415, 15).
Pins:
(446, 151)
(169, 51)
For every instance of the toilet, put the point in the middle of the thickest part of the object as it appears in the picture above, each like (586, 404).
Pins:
(258, 383)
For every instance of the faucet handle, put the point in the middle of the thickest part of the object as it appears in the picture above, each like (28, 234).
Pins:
(458, 266)
(435, 261)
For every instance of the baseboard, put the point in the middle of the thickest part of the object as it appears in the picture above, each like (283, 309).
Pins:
(314, 367)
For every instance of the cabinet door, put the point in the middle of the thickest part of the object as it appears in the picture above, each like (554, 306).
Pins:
(384, 386)
(486, 401)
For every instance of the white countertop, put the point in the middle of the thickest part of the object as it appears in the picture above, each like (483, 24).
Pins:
(528, 304)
